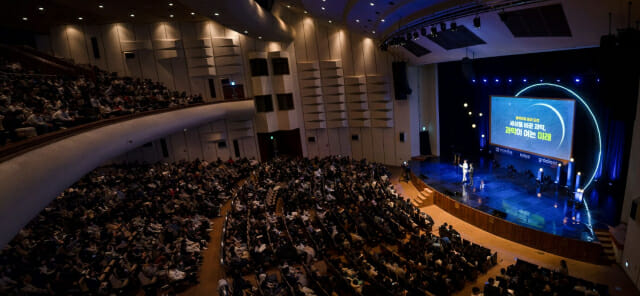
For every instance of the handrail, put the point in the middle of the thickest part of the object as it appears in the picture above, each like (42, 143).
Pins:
(14, 149)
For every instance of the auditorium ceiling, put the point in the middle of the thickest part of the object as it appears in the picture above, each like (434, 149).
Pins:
(577, 24)
(537, 26)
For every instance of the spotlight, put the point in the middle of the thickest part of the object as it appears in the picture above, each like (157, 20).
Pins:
(423, 31)
(482, 136)
(443, 27)
(434, 31)
(465, 105)
(357, 21)
(330, 21)
(484, 80)
(577, 80)
(476, 22)
(216, 14)
(382, 20)
(132, 15)
(524, 79)
(322, 8)
(373, 32)
(41, 8)
(424, 128)
(558, 80)
(473, 125)
(510, 80)
(80, 18)
(170, 4)
(246, 32)
(497, 80)
(260, 37)
(193, 13)
(100, 6)
(171, 15)
(540, 80)
(473, 80)
(470, 113)
(24, 18)
(480, 114)
(371, 4)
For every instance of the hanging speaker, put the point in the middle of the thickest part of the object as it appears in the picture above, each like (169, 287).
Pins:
(400, 81)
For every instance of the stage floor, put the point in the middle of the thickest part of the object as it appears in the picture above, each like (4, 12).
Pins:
(517, 195)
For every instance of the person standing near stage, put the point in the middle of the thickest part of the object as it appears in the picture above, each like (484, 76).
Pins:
(406, 170)
(470, 173)
(465, 170)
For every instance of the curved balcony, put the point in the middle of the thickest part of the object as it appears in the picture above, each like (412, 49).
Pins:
(35, 171)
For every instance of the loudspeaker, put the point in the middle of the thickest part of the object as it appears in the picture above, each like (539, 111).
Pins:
(425, 146)
(499, 214)
(400, 82)
(402, 137)
(467, 69)
(129, 55)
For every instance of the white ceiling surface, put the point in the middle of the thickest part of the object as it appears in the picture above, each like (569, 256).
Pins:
(588, 20)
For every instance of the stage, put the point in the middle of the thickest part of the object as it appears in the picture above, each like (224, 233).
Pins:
(547, 208)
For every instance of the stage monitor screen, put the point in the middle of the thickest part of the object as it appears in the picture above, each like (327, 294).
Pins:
(543, 127)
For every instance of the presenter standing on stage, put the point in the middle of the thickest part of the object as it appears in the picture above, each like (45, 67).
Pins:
(465, 170)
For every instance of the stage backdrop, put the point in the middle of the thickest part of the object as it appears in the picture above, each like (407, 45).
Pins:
(543, 127)
(598, 77)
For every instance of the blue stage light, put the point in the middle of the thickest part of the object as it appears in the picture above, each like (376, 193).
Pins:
(233, 83)
(558, 80)
(497, 80)
(484, 80)
(540, 80)
(598, 80)
(577, 80)
(524, 79)
(473, 80)
(510, 80)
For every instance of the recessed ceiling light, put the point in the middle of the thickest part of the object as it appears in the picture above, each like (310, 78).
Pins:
(216, 14)
(288, 6)
(132, 15)
(41, 8)
(24, 18)
(80, 18)
(373, 32)
(322, 7)
(357, 21)
(193, 13)
(171, 15)
(170, 4)
(372, 4)
(330, 21)
(259, 37)
(382, 20)
(100, 6)
(246, 32)
(305, 12)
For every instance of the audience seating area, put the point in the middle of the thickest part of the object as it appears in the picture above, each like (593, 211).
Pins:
(330, 226)
(524, 278)
(32, 104)
(122, 228)
(338, 226)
